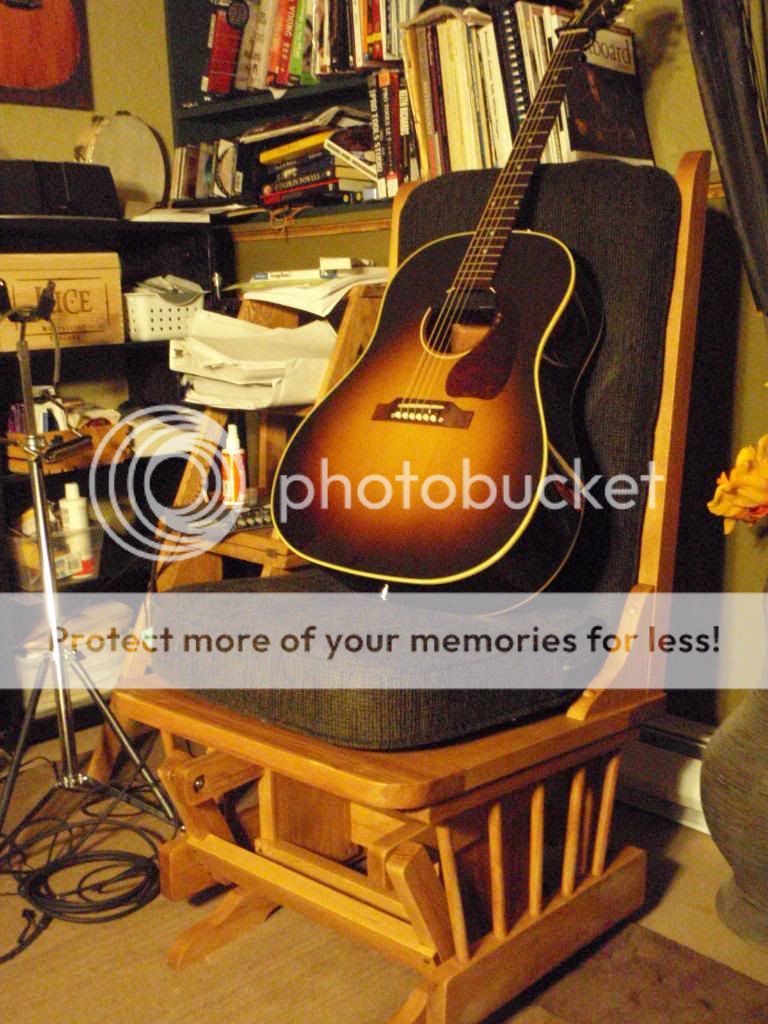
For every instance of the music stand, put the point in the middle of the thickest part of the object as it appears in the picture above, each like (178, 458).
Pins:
(40, 450)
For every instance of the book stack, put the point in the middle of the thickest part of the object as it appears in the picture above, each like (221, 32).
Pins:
(306, 170)
(498, 60)
(225, 169)
(456, 90)
(394, 144)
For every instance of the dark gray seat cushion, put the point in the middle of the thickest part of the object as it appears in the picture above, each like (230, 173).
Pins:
(622, 222)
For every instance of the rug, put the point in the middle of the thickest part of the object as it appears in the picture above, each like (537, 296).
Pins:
(640, 977)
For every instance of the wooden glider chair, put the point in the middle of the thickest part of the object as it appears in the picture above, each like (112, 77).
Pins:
(480, 855)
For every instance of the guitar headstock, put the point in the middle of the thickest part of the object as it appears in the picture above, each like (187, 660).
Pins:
(597, 14)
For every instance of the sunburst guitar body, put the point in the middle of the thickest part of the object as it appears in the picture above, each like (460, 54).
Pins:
(424, 465)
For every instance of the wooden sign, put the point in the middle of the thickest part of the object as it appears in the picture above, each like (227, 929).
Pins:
(89, 307)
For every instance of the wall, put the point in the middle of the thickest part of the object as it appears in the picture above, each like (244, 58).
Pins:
(130, 72)
(676, 123)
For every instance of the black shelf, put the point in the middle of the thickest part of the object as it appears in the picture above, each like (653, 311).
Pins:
(146, 248)
(210, 107)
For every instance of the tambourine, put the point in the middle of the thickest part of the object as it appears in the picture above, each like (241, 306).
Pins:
(134, 155)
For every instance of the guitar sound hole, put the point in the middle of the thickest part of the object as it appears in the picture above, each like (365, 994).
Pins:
(461, 321)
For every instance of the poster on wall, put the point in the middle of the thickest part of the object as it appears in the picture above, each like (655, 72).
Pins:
(44, 56)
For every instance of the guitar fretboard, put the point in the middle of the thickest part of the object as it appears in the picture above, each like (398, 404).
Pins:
(501, 212)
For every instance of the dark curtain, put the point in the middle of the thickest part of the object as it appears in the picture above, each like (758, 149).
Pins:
(722, 56)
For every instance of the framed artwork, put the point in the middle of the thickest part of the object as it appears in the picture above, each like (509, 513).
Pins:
(44, 55)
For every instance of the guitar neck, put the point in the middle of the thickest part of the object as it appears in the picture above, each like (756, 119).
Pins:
(503, 207)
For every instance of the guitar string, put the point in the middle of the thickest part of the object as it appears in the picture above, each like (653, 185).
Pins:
(481, 249)
(473, 265)
(439, 336)
(485, 241)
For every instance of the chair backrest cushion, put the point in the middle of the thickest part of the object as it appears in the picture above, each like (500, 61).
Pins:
(622, 221)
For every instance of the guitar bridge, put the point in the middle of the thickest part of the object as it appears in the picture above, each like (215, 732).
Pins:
(423, 410)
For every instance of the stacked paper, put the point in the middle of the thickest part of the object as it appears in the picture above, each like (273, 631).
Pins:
(233, 364)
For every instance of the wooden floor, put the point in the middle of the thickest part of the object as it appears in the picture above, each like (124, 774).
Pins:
(294, 972)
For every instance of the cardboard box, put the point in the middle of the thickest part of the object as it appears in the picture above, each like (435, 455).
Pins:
(89, 305)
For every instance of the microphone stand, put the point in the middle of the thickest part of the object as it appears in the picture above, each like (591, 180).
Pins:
(40, 450)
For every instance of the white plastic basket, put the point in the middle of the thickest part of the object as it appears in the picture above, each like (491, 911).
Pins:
(151, 318)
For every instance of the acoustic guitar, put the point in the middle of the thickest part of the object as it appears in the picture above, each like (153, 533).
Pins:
(448, 450)
(39, 43)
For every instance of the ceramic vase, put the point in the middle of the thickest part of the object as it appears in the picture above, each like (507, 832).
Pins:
(734, 794)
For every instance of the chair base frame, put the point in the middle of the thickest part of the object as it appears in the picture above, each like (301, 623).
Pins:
(482, 892)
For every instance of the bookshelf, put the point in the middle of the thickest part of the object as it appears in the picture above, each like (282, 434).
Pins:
(198, 117)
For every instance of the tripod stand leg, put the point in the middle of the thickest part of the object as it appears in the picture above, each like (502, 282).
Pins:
(125, 742)
(21, 744)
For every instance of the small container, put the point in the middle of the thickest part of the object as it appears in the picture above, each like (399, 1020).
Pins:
(75, 524)
(150, 318)
(67, 556)
(233, 468)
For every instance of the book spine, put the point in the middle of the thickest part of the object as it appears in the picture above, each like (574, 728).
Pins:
(297, 44)
(385, 9)
(511, 61)
(276, 44)
(477, 128)
(407, 135)
(450, 99)
(345, 156)
(358, 40)
(378, 152)
(266, 15)
(223, 49)
(415, 98)
(397, 135)
(373, 36)
(426, 72)
(496, 100)
(247, 44)
(300, 165)
(299, 179)
(319, 190)
(389, 158)
(306, 76)
(282, 75)
(321, 45)
(439, 155)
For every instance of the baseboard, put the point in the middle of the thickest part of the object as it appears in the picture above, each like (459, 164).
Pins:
(661, 772)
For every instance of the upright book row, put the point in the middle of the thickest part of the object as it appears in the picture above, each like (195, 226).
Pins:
(455, 101)
(471, 77)
(260, 44)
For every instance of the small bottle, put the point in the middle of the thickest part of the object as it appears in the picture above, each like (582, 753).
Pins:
(233, 468)
(73, 510)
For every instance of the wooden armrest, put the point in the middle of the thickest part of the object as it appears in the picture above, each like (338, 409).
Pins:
(355, 331)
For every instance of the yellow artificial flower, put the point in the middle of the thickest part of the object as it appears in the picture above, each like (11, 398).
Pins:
(743, 494)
